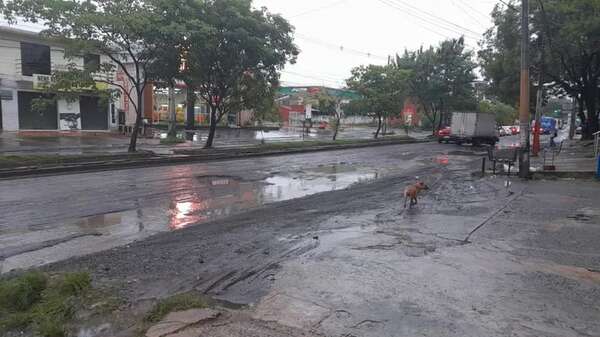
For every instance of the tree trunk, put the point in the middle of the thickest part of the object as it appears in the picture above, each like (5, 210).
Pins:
(433, 118)
(212, 129)
(591, 124)
(137, 125)
(581, 112)
(336, 127)
(378, 126)
(190, 114)
(172, 131)
(439, 126)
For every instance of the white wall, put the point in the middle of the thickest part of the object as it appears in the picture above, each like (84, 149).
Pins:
(10, 52)
(10, 73)
(10, 112)
(59, 62)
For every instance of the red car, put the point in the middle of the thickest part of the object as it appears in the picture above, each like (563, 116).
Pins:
(514, 130)
(443, 134)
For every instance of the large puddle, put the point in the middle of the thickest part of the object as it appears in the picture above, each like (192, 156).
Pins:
(207, 198)
(219, 196)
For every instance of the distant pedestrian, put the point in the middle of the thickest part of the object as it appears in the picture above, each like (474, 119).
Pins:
(552, 142)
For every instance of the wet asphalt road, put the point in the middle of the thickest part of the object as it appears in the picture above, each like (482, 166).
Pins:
(47, 219)
(352, 261)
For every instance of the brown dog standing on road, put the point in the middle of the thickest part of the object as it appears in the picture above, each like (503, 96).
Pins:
(412, 192)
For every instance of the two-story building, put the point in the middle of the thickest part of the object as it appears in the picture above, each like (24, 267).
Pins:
(27, 61)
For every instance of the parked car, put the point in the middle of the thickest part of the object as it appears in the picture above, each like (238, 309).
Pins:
(542, 131)
(443, 134)
(548, 125)
(515, 130)
(504, 131)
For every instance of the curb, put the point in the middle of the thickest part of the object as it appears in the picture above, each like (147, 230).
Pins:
(563, 175)
(237, 153)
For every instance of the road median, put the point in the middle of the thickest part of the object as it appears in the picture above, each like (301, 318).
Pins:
(24, 166)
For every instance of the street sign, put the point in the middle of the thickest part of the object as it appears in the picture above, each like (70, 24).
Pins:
(41, 81)
(308, 112)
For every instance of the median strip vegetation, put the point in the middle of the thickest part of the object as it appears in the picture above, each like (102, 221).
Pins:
(46, 305)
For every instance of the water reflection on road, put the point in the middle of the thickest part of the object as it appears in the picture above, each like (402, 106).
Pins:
(219, 196)
(192, 201)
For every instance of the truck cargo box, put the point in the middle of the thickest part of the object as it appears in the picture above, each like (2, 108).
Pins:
(476, 128)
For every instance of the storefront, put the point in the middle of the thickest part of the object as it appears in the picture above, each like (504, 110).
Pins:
(160, 103)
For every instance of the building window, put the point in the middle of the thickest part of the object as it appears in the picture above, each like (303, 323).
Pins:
(35, 59)
(91, 62)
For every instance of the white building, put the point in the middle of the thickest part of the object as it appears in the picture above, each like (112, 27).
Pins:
(26, 62)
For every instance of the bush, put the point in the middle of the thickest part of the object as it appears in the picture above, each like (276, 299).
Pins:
(46, 305)
(75, 284)
(20, 293)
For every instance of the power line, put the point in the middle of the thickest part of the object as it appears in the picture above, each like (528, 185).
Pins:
(462, 9)
(313, 77)
(414, 15)
(424, 27)
(438, 17)
(475, 10)
(341, 48)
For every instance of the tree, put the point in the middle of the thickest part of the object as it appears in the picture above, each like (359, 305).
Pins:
(383, 90)
(125, 31)
(564, 47)
(441, 78)
(331, 106)
(235, 49)
(262, 100)
(571, 30)
(505, 114)
(499, 57)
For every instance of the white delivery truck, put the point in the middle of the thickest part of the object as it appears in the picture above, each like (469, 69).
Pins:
(473, 128)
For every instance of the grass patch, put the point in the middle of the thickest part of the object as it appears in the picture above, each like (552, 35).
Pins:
(40, 303)
(12, 161)
(174, 303)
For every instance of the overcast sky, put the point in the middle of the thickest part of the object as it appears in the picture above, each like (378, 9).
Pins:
(336, 35)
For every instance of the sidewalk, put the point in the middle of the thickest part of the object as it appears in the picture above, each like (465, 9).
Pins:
(96, 143)
(576, 157)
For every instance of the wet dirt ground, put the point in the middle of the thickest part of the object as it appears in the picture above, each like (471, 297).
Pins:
(472, 259)
(48, 219)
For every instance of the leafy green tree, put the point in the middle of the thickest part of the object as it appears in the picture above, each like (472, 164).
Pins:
(564, 47)
(262, 101)
(570, 30)
(383, 90)
(332, 107)
(441, 78)
(125, 31)
(499, 57)
(234, 50)
(505, 114)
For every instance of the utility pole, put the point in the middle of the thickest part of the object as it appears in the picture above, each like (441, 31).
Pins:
(538, 103)
(524, 102)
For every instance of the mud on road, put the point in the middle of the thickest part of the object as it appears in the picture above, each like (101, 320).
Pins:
(354, 262)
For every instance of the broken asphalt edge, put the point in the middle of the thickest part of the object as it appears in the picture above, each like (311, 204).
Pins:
(214, 155)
